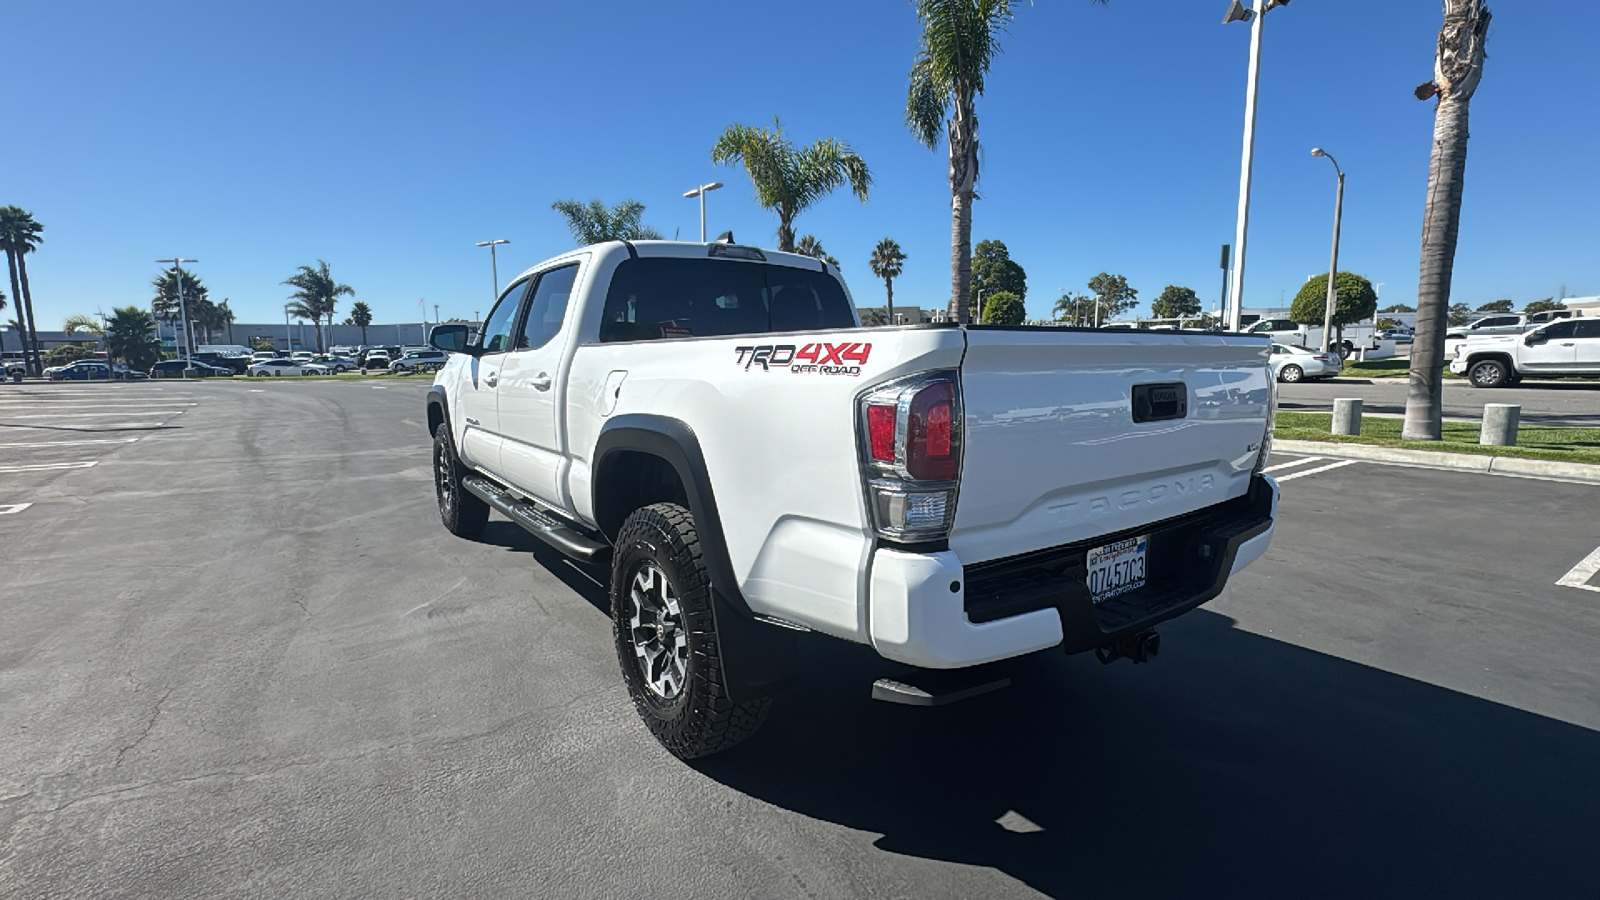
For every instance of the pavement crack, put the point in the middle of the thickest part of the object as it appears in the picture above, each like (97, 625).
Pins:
(154, 714)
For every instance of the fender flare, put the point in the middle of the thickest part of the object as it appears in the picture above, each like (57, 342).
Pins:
(760, 659)
(436, 397)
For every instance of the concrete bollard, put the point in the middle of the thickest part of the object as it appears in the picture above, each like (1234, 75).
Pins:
(1500, 424)
(1347, 415)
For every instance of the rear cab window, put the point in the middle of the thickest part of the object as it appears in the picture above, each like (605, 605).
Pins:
(651, 298)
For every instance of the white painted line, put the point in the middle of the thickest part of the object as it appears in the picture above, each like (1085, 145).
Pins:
(380, 387)
(7, 509)
(258, 390)
(139, 404)
(1289, 465)
(71, 443)
(96, 428)
(1582, 572)
(1331, 466)
(45, 467)
(176, 412)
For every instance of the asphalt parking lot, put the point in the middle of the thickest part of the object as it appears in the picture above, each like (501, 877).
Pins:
(240, 656)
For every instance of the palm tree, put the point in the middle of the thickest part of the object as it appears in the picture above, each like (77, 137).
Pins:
(1457, 69)
(361, 317)
(594, 223)
(225, 318)
(19, 234)
(128, 336)
(960, 39)
(80, 322)
(165, 305)
(887, 259)
(789, 180)
(316, 295)
(808, 245)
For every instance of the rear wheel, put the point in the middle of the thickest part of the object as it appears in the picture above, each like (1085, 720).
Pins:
(1488, 373)
(666, 636)
(464, 513)
(1291, 374)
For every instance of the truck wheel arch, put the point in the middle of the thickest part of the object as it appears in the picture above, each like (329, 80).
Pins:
(760, 659)
(438, 408)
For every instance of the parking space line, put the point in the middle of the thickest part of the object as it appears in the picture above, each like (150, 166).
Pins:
(119, 405)
(7, 509)
(176, 412)
(71, 443)
(45, 467)
(1292, 464)
(1582, 572)
(1331, 466)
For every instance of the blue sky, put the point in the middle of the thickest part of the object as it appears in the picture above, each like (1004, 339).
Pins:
(388, 137)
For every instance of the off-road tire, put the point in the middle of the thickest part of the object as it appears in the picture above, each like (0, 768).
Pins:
(1291, 374)
(700, 719)
(1488, 373)
(463, 513)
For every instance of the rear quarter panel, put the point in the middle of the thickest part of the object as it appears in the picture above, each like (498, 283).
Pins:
(780, 448)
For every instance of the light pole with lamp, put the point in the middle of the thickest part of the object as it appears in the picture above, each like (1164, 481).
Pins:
(1256, 16)
(1333, 264)
(288, 333)
(183, 310)
(494, 267)
(701, 193)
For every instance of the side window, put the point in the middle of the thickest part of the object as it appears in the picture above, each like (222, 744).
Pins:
(497, 328)
(1497, 322)
(1562, 330)
(547, 308)
(1587, 328)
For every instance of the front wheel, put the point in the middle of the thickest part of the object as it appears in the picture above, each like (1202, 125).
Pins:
(464, 513)
(1291, 374)
(1488, 373)
(666, 636)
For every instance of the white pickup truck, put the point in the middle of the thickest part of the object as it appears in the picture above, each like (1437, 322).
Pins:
(1563, 349)
(711, 421)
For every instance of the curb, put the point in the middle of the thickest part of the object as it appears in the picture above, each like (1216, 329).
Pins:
(1461, 462)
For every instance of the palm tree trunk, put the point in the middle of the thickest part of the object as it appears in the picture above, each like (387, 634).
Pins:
(963, 128)
(888, 283)
(22, 318)
(786, 233)
(1457, 70)
(27, 303)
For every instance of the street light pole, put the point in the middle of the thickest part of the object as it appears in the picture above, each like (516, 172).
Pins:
(1257, 18)
(1333, 263)
(183, 309)
(494, 267)
(701, 193)
(288, 334)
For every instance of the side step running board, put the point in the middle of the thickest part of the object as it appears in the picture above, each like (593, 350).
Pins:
(937, 687)
(539, 523)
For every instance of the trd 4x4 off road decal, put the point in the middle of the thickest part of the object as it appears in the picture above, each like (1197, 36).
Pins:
(810, 359)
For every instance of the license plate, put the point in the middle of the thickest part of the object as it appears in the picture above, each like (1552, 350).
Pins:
(1116, 569)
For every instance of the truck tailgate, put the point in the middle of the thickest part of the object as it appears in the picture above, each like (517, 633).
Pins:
(1071, 435)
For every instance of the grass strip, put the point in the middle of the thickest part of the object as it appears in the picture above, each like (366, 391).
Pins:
(1384, 368)
(1578, 445)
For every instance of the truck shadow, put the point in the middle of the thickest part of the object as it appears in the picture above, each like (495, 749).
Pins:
(1235, 765)
(587, 582)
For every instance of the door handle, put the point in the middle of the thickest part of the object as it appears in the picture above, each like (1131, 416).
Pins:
(1567, 344)
(541, 381)
(492, 379)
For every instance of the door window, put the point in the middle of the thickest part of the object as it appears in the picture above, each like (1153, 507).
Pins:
(547, 308)
(1587, 329)
(497, 328)
(1561, 330)
(1496, 322)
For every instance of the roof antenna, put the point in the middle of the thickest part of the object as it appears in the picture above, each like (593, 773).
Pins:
(725, 238)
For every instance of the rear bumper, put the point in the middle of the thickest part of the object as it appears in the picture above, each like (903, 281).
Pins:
(928, 610)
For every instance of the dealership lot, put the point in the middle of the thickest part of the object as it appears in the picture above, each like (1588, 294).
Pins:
(241, 656)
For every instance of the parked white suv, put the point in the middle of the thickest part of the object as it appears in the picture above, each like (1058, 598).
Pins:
(1569, 347)
(713, 423)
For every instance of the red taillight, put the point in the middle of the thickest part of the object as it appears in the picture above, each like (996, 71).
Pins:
(880, 429)
(931, 440)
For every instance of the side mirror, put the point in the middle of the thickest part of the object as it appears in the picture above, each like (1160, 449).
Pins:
(1534, 339)
(452, 339)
